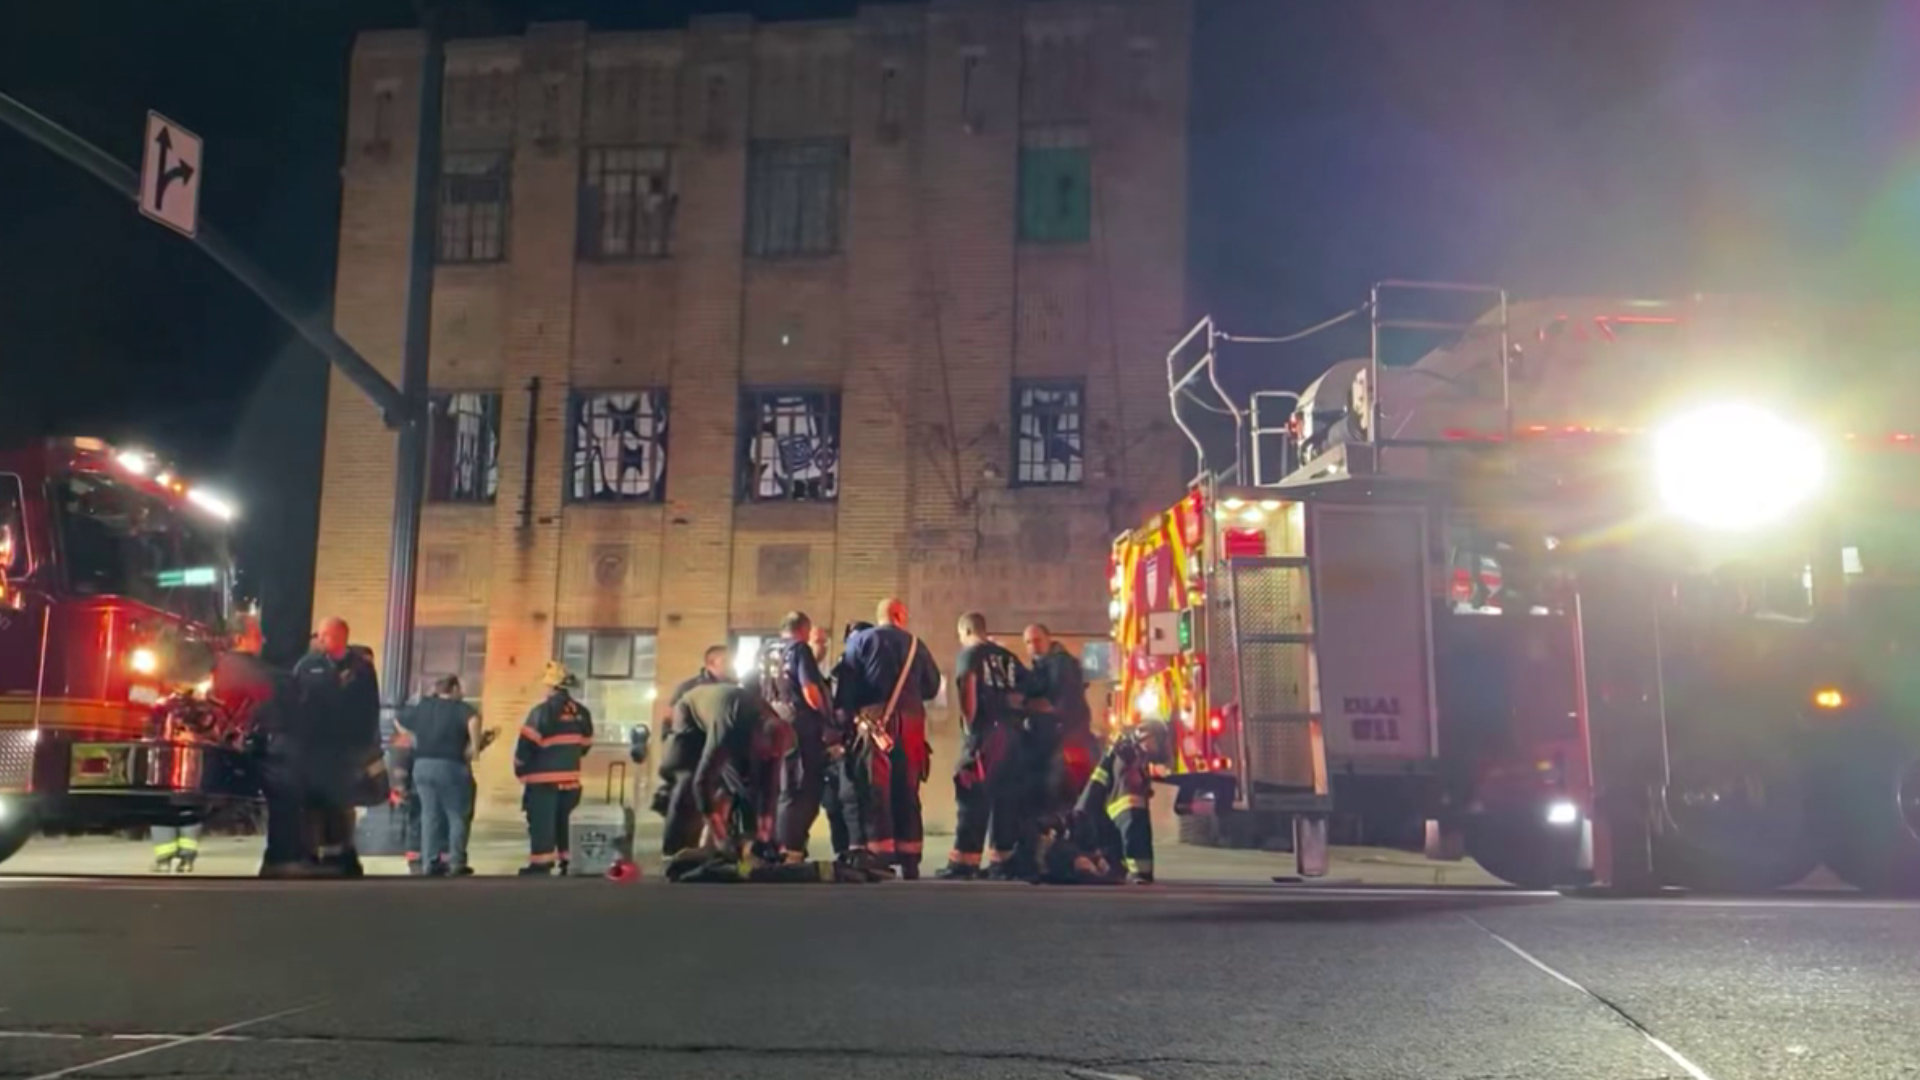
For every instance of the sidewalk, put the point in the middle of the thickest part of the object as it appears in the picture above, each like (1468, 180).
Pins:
(499, 851)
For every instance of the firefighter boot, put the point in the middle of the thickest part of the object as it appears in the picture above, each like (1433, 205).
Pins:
(957, 871)
(183, 863)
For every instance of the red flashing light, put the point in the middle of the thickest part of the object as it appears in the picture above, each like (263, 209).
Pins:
(1223, 763)
(1216, 722)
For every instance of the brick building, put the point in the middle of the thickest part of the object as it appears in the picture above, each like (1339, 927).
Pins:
(745, 317)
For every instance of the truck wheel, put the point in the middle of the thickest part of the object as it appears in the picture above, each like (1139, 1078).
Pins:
(1870, 829)
(1735, 827)
(1521, 849)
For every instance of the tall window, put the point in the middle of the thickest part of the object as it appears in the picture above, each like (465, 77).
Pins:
(616, 670)
(626, 202)
(790, 445)
(1047, 417)
(463, 459)
(796, 197)
(746, 652)
(1056, 188)
(474, 198)
(439, 651)
(619, 451)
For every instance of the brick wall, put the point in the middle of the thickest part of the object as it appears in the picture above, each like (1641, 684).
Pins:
(921, 320)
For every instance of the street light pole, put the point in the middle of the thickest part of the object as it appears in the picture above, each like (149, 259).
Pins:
(411, 458)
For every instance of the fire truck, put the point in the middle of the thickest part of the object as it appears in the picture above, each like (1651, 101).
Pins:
(1592, 590)
(114, 594)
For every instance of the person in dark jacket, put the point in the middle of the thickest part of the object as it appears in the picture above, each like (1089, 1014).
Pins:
(557, 734)
(891, 675)
(793, 688)
(444, 733)
(713, 669)
(1061, 745)
(1111, 815)
(728, 792)
(841, 793)
(328, 749)
(990, 790)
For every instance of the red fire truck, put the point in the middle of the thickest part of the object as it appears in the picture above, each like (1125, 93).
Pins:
(1593, 589)
(114, 591)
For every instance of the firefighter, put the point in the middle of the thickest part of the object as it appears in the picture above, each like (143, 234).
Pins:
(175, 847)
(891, 675)
(725, 787)
(1060, 738)
(841, 795)
(329, 750)
(556, 734)
(989, 790)
(1111, 816)
(793, 688)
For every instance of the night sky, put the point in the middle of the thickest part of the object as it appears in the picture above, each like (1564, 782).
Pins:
(1635, 147)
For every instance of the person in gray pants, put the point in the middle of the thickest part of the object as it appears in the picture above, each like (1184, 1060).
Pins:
(445, 732)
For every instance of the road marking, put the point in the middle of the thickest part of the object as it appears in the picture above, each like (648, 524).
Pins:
(1675, 1056)
(171, 1043)
(1096, 1074)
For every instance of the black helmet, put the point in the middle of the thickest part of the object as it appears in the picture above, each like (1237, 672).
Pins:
(1155, 740)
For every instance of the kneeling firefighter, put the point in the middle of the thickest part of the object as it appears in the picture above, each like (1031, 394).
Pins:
(1111, 823)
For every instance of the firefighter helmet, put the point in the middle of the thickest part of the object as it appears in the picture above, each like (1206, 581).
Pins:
(1155, 740)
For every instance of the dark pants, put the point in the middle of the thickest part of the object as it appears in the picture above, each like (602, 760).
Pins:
(991, 798)
(678, 759)
(445, 790)
(410, 820)
(1126, 839)
(802, 779)
(830, 802)
(549, 809)
(309, 822)
(892, 823)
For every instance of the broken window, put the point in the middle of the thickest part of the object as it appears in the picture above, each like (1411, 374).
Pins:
(619, 447)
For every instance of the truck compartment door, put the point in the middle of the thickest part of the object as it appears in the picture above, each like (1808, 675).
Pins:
(1374, 625)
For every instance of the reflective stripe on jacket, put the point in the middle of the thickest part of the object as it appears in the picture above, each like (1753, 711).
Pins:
(555, 736)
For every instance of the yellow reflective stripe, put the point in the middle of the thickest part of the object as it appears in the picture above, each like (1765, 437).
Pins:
(189, 843)
(1115, 807)
(1102, 776)
(166, 850)
(1139, 866)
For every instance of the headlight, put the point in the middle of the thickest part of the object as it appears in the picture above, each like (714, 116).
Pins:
(1562, 812)
(144, 661)
(1735, 467)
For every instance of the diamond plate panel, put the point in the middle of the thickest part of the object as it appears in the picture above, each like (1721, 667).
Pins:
(1272, 599)
(1275, 688)
(16, 760)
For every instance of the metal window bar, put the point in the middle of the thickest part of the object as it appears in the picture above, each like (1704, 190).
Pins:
(463, 463)
(1048, 446)
(626, 203)
(796, 195)
(1259, 430)
(474, 198)
(619, 447)
(790, 445)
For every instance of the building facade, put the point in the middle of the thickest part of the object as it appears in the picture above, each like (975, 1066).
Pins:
(748, 317)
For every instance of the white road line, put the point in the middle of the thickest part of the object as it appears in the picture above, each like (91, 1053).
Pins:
(1096, 1074)
(1675, 1056)
(172, 1043)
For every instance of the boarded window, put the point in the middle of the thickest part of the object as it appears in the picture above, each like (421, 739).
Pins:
(790, 445)
(1056, 193)
(1047, 432)
(619, 447)
(463, 458)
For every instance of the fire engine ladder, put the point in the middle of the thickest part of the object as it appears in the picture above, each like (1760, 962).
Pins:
(1269, 616)
(1489, 303)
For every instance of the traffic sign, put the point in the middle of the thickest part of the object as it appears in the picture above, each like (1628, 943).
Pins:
(170, 175)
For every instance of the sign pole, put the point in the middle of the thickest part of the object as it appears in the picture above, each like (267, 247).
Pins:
(411, 458)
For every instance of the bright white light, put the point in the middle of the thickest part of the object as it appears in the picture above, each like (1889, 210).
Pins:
(143, 661)
(6, 808)
(134, 462)
(746, 656)
(1148, 705)
(653, 693)
(1735, 467)
(211, 503)
(1562, 812)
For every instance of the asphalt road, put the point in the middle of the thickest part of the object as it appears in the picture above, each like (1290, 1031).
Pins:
(586, 979)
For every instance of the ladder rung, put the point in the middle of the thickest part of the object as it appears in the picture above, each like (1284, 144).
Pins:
(1282, 718)
(1276, 639)
(1269, 562)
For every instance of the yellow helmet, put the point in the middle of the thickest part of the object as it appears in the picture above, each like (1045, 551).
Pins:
(556, 676)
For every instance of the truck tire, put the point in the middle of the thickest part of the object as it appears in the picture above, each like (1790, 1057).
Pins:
(1869, 827)
(1741, 827)
(1519, 848)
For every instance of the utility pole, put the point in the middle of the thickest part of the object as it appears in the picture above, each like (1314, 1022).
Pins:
(411, 459)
